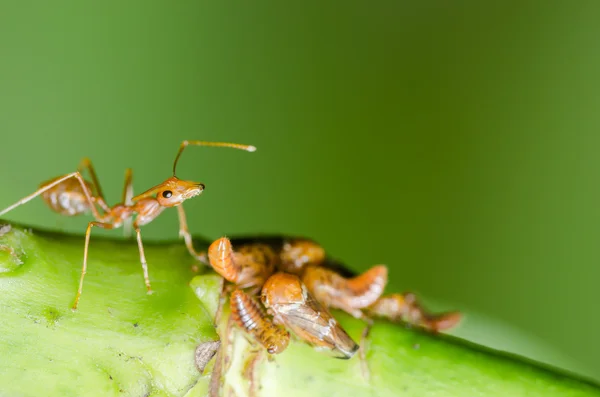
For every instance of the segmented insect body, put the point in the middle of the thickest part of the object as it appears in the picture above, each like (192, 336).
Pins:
(297, 254)
(404, 307)
(350, 295)
(300, 300)
(249, 316)
(292, 254)
(72, 195)
(249, 266)
(254, 259)
(67, 198)
(290, 303)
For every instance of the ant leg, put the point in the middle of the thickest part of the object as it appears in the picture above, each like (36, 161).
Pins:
(128, 188)
(49, 186)
(126, 199)
(85, 257)
(86, 164)
(185, 233)
(143, 257)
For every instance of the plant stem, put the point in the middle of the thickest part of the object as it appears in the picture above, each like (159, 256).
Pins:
(123, 342)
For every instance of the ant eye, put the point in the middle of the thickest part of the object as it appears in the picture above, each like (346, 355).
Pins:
(167, 193)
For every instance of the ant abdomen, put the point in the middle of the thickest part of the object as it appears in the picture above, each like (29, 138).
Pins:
(67, 198)
(249, 316)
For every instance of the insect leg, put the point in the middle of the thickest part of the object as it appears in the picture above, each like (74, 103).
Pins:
(49, 186)
(143, 257)
(253, 361)
(85, 256)
(185, 233)
(126, 199)
(86, 164)
(405, 307)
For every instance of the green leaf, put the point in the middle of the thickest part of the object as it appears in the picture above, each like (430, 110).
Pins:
(124, 342)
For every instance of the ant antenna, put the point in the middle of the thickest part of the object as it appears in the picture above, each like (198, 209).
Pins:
(184, 144)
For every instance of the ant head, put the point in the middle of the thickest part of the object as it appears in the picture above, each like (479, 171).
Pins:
(173, 191)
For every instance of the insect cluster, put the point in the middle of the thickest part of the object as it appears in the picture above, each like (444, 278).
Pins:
(296, 283)
(277, 283)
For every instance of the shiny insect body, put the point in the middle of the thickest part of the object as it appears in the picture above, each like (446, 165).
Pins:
(247, 267)
(257, 264)
(348, 294)
(290, 303)
(250, 317)
(307, 283)
(405, 307)
(72, 195)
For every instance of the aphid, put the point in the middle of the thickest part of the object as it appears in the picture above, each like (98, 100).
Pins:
(405, 307)
(290, 303)
(350, 295)
(249, 266)
(255, 260)
(296, 254)
(300, 300)
(72, 195)
(249, 316)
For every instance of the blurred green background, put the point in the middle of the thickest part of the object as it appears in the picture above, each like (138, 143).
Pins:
(456, 142)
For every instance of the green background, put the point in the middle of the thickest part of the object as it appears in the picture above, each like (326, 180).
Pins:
(457, 143)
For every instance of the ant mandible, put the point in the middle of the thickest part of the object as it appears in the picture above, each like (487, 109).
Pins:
(72, 195)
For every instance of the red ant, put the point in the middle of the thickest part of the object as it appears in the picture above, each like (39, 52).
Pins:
(72, 195)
